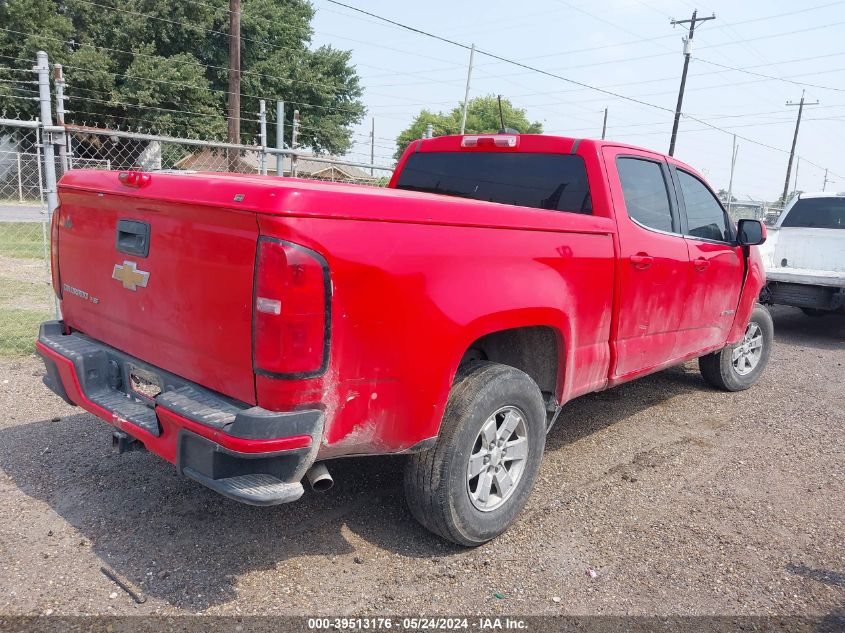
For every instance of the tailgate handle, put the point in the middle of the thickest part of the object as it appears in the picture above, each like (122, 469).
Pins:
(133, 237)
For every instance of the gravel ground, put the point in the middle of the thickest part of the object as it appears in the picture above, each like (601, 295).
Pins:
(683, 500)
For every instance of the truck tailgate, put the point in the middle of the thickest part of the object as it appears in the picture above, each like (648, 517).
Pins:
(805, 255)
(185, 305)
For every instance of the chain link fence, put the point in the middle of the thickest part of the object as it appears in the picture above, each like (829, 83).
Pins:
(120, 149)
(754, 210)
(26, 295)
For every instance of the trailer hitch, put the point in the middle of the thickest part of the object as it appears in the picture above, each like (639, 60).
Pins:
(123, 443)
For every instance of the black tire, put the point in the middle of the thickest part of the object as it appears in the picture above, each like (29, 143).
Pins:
(815, 312)
(719, 369)
(436, 481)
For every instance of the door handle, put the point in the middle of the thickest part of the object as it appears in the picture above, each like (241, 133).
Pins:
(641, 261)
(701, 264)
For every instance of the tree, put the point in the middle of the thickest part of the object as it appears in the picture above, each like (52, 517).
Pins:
(723, 195)
(482, 118)
(161, 65)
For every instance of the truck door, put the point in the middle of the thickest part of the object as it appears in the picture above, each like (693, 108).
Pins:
(716, 265)
(653, 266)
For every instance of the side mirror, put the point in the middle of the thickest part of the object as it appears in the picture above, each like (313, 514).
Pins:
(751, 232)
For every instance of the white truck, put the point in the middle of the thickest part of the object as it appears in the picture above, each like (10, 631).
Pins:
(804, 255)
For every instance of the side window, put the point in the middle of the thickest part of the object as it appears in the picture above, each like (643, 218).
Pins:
(645, 191)
(705, 216)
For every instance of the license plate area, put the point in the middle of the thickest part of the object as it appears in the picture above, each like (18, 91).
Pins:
(143, 384)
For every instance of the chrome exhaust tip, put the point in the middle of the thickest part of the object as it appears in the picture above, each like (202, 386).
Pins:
(319, 478)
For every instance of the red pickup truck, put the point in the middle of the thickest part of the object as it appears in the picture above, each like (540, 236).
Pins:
(248, 328)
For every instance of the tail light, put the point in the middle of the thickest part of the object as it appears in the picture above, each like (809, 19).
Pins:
(291, 310)
(54, 252)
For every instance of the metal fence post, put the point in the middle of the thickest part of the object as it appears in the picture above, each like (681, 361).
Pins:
(294, 142)
(280, 137)
(262, 122)
(43, 69)
(20, 177)
(39, 139)
(59, 80)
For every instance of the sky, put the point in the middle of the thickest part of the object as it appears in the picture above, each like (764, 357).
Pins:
(627, 47)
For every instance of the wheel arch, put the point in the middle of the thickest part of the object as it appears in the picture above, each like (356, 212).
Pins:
(535, 341)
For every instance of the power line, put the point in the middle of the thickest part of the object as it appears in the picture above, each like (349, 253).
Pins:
(712, 72)
(135, 105)
(695, 89)
(556, 76)
(757, 115)
(784, 79)
(499, 57)
(714, 28)
(617, 60)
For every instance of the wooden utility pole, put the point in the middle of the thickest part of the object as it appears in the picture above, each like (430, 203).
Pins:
(604, 125)
(687, 53)
(234, 79)
(466, 92)
(800, 105)
(734, 152)
(824, 183)
(373, 147)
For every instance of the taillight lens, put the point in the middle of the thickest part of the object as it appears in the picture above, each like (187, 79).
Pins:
(54, 252)
(134, 178)
(291, 310)
(490, 140)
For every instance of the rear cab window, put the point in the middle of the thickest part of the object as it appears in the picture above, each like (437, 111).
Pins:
(556, 182)
(817, 213)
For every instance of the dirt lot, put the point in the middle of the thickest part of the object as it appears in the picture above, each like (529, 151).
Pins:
(683, 500)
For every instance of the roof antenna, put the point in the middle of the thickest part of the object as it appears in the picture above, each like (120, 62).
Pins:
(501, 116)
(503, 129)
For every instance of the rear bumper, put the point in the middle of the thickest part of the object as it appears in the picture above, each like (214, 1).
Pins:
(802, 294)
(246, 453)
(808, 277)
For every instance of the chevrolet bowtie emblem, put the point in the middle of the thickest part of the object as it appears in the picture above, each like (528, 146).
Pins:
(129, 275)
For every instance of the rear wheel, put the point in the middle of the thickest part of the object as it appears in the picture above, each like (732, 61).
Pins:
(472, 484)
(737, 367)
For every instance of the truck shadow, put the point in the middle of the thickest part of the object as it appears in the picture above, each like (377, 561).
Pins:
(596, 411)
(181, 543)
(797, 329)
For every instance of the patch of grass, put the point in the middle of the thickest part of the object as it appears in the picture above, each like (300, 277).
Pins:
(23, 203)
(22, 239)
(19, 329)
(23, 307)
